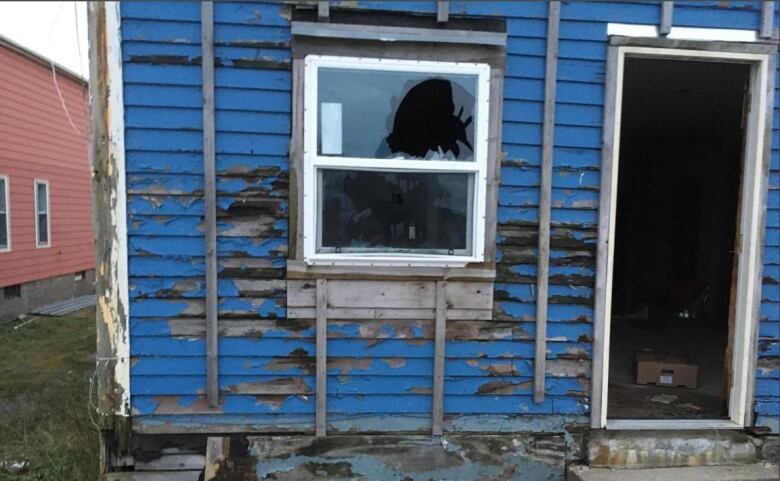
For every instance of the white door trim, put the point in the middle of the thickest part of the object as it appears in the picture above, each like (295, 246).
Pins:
(749, 235)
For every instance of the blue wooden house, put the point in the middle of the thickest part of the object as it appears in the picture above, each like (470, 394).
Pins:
(435, 240)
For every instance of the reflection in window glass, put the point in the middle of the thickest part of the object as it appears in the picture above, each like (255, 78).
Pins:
(3, 214)
(367, 211)
(395, 114)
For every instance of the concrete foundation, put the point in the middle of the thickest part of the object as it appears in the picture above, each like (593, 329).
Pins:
(35, 294)
(666, 449)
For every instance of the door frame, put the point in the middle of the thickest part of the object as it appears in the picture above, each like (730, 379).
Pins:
(750, 233)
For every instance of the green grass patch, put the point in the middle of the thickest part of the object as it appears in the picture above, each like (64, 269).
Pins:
(45, 415)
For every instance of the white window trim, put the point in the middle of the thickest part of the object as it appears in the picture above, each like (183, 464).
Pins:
(312, 161)
(38, 242)
(7, 182)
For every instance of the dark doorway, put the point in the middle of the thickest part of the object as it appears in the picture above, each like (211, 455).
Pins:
(679, 174)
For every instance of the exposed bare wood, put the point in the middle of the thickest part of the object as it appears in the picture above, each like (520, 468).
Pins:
(667, 12)
(493, 163)
(767, 19)
(210, 202)
(323, 10)
(767, 47)
(107, 158)
(217, 451)
(545, 197)
(299, 270)
(296, 162)
(438, 358)
(398, 34)
(391, 294)
(444, 52)
(391, 313)
(442, 11)
(322, 357)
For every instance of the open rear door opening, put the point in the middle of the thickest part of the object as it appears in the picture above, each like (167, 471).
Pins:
(682, 205)
(681, 147)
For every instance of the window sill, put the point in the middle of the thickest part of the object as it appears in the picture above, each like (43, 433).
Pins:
(297, 269)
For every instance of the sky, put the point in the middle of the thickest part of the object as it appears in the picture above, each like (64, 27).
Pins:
(56, 30)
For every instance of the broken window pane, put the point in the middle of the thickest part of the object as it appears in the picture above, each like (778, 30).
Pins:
(368, 211)
(394, 114)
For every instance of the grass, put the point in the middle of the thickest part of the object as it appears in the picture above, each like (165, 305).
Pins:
(45, 370)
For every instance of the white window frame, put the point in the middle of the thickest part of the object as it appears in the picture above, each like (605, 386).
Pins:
(313, 161)
(7, 212)
(38, 242)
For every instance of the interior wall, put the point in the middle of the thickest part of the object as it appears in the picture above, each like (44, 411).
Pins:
(678, 187)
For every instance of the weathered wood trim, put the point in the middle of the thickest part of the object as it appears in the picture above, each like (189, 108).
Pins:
(396, 423)
(297, 269)
(766, 28)
(762, 187)
(545, 197)
(398, 34)
(704, 45)
(440, 333)
(392, 294)
(322, 358)
(323, 10)
(667, 13)
(347, 313)
(442, 11)
(296, 164)
(602, 297)
(210, 203)
(107, 156)
(217, 452)
(493, 170)
(674, 424)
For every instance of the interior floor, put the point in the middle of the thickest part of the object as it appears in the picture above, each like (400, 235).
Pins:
(676, 215)
(668, 336)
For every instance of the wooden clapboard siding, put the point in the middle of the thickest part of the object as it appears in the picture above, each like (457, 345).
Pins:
(380, 362)
(767, 391)
(161, 51)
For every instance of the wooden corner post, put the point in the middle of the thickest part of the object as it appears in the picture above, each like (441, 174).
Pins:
(107, 158)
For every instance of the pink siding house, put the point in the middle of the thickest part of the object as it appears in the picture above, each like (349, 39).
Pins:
(46, 241)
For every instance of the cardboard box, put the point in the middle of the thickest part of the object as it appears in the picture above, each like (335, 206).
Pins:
(665, 370)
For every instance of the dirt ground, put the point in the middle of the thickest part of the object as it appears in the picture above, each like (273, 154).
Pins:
(46, 364)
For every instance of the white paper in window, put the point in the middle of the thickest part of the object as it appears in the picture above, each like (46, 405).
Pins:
(330, 129)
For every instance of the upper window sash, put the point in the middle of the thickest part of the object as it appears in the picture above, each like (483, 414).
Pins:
(313, 63)
(313, 160)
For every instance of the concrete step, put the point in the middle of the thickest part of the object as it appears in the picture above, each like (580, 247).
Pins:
(747, 472)
(669, 449)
